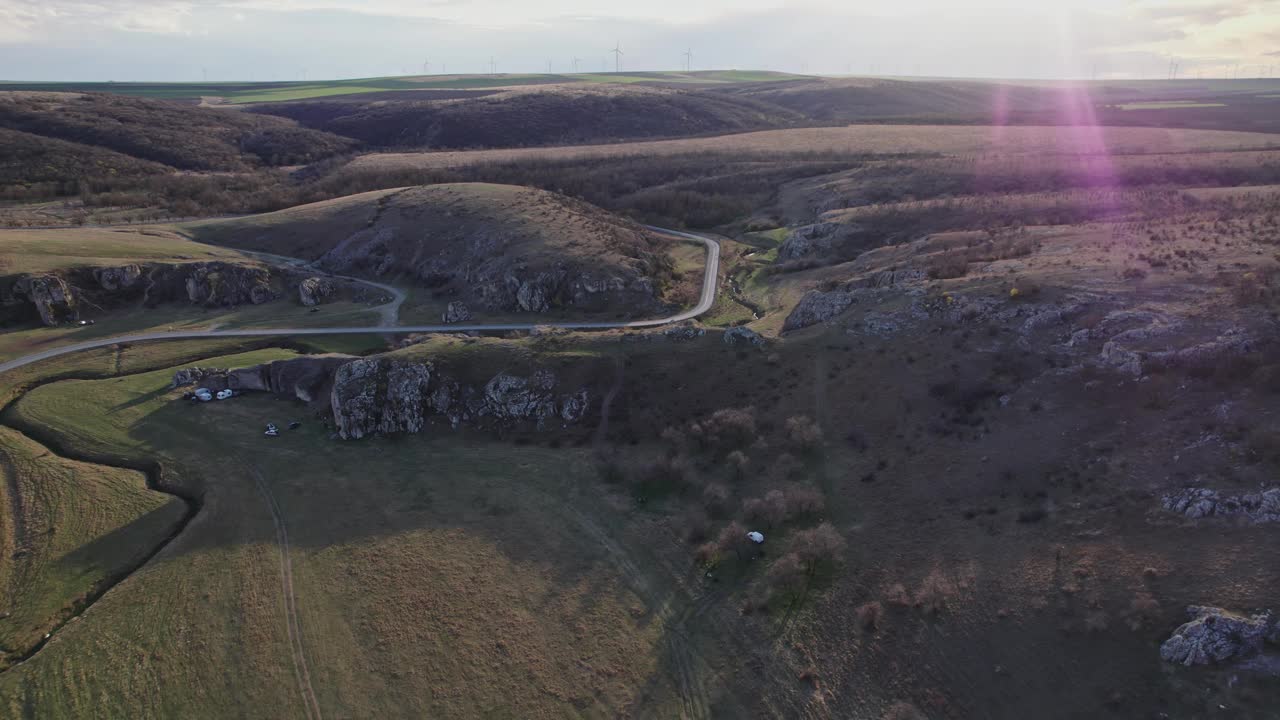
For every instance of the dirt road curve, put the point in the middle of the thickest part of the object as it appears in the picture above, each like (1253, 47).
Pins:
(704, 304)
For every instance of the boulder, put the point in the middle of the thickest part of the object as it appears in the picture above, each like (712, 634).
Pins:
(51, 296)
(742, 336)
(816, 307)
(1122, 359)
(1214, 635)
(456, 312)
(315, 290)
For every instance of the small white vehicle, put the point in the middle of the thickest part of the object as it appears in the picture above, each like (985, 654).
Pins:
(755, 537)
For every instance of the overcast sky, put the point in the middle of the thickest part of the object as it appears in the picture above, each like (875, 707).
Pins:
(176, 40)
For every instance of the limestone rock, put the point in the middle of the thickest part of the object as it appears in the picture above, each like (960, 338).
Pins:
(1214, 635)
(516, 398)
(315, 290)
(227, 285)
(52, 297)
(816, 307)
(683, 332)
(456, 312)
(1197, 503)
(808, 240)
(742, 336)
(118, 278)
(574, 406)
(1122, 359)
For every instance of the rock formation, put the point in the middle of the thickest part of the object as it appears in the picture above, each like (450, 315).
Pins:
(386, 395)
(816, 307)
(456, 312)
(51, 296)
(315, 290)
(742, 336)
(1196, 503)
(1214, 635)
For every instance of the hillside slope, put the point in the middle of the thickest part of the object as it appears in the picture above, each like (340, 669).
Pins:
(181, 136)
(556, 115)
(501, 247)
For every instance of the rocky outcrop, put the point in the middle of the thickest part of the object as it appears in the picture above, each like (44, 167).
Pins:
(683, 332)
(315, 290)
(456, 312)
(742, 336)
(1197, 503)
(384, 395)
(816, 307)
(808, 240)
(52, 297)
(115, 279)
(224, 284)
(1214, 635)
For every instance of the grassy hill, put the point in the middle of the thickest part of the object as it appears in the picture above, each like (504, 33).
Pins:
(180, 136)
(487, 245)
(560, 115)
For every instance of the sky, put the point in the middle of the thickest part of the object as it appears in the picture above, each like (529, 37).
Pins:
(190, 40)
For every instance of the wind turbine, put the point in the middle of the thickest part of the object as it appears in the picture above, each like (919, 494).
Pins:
(426, 67)
(688, 60)
(617, 57)
(576, 60)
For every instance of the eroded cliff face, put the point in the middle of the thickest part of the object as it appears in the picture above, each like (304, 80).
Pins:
(380, 395)
(483, 271)
(56, 298)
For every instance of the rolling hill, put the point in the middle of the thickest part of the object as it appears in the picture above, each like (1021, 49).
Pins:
(500, 247)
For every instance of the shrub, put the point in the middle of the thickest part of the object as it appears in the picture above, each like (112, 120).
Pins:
(726, 429)
(770, 509)
(732, 539)
(803, 433)
(803, 500)
(819, 546)
(870, 616)
(787, 575)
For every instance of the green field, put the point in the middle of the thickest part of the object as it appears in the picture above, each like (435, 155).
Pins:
(38, 251)
(451, 577)
(69, 528)
(258, 92)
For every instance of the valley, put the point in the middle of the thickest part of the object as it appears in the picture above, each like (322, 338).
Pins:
(997, 398)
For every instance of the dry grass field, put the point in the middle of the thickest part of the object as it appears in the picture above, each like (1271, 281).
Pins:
(865, 139)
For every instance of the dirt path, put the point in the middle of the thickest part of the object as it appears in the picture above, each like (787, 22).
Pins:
(292, 625)
(688, 669)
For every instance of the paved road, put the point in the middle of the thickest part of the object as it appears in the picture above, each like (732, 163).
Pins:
(704, 304)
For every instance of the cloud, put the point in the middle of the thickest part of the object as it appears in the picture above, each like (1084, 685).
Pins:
(1199, 14)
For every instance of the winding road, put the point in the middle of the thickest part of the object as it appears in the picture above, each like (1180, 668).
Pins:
(705, 302)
